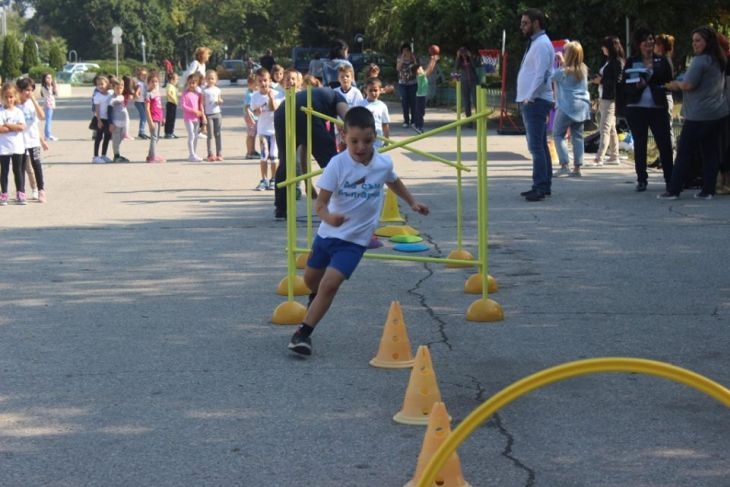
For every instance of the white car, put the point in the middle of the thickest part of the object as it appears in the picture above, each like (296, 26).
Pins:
(79, 67)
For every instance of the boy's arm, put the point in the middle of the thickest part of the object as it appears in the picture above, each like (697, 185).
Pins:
(386, 130)
(38, 110)
(320, 206)
(402, 192)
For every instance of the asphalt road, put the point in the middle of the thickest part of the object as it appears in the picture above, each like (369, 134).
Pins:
(136, 347)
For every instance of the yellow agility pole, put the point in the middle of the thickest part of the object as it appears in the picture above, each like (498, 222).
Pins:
(459, 252)
(484, 309)
(290, 312)
(559, 373)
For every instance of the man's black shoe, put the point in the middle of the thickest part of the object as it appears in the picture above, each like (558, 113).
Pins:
(525, 193)
(279, 215)
(641, 186)
(535, 195)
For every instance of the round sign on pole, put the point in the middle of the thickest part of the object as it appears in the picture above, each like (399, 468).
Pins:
(117, 31)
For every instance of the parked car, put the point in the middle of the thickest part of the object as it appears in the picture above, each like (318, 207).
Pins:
(236, 68)
(79, 67)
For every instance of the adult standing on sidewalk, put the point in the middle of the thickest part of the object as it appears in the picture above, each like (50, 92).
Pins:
(407, 85)
(535, 94)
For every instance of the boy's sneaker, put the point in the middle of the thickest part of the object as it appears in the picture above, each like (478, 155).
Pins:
(42, 196)
(34, 194)
(272, 185)
(98, 160)
(263, 184)
(300, 344)
(4, 199)
(703, 196)
(21, 198)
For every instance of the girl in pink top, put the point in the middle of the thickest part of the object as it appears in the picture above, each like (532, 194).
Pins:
(192, 114)
(155, 116)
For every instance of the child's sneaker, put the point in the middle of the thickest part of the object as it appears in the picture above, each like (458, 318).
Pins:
(42, 196)
(219, 157)
(106, 159)
(272, 185)
(4, 199)
(98, 160)
(195, 158)
(34, 194)
(120, 158)
(211, 158)
(263, 184)
(21, 198)
(300, 344)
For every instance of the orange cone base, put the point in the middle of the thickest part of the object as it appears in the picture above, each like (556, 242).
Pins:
(289, 313)
(413, 483)
(300, 289)
(392, 364)
(391, 230)
(302, 260)
(484, 310)
(473, 284)
(460, 254)
(403, 419)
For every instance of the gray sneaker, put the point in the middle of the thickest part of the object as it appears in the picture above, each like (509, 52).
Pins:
(562, 172)
(263, 184)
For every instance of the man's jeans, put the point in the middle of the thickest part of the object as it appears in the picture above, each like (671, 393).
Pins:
(534, 116)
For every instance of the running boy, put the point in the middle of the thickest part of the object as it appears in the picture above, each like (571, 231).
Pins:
(373, 89)
(349, 203)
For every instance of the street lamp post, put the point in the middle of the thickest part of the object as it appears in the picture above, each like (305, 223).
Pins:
(116, 40)
(143, 44)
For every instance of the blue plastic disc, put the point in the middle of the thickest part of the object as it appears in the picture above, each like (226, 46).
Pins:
(410, 247)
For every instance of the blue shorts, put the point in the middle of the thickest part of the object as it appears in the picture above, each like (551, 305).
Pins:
(333, 252)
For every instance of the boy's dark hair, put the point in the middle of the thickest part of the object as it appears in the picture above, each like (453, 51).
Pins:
(359, 117)
(373, 81)
(534, 14)
(24, 83)
(262, 72)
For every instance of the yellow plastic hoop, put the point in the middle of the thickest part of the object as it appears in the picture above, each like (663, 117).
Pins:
(559, 373)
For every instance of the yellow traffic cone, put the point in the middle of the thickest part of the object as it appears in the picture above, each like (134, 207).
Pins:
(439, 429)
(395, 348)
(422, 391)
(391, 212)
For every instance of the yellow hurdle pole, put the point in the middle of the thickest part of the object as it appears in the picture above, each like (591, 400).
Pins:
(459, 200)
(483, 191)
(291, 217)
(560, 373)
(308, 165)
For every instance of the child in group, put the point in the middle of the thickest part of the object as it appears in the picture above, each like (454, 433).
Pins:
(212, 101)
(346, 75)
(153, 108)
(101, 122)
(277, 76)
(292, 79)
(373, 71)
(171, 105)
(309, 80)
(48, 93)
(119, 118)
(265, 102)
(139, 101)
(192, 114)
(422, 91)
(349, 204)
(250, 119)
(12, 146)
(130, 88)
(32, 139)
(373, 88)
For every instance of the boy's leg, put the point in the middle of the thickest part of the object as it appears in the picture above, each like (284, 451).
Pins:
(324, 283)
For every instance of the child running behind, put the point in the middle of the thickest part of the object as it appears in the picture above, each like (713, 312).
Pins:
(349, 203)
(153, 108)
(265, 102)
(192, 114)
(212, 101)
(119, 118)
(32, 138)
(12, 147)
(373, 89)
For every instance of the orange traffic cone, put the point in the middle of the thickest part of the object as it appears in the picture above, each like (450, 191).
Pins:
(422, 391)
(438, 431)
(391, 212)
(395, 348)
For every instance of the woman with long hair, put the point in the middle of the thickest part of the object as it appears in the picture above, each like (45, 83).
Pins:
(609, 81)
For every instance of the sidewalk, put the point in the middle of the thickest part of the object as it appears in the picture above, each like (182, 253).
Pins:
(136, 346)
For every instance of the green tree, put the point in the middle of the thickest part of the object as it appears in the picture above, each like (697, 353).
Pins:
(10, 68)
(56, 59)
(30, 53)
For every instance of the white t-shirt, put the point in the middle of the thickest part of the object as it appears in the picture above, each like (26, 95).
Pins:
(265, 125)
(119, 111)
(102, 99)
(31, 134)
(357, 191)
(380, 113)
(353, 97)
(12, 142)
(211, 94)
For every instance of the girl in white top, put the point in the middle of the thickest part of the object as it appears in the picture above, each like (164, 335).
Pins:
(12, 146)
(212, 101)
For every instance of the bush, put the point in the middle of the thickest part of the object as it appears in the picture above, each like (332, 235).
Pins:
(36, 72)
(110, 67)
(10, 68)
(30, 54)
(55, 56)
